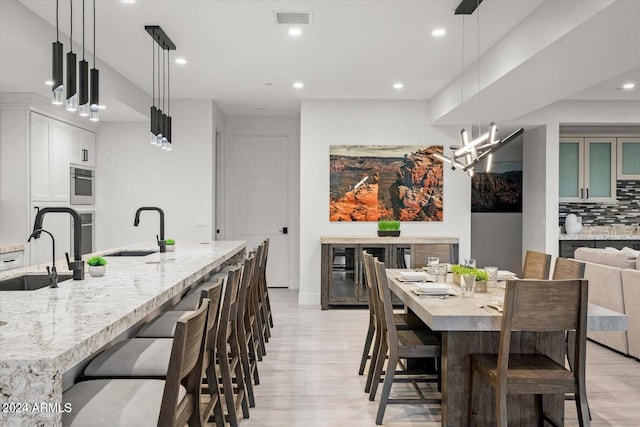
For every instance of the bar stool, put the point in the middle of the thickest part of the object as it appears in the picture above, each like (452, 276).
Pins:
(147, 402)
(245, 338)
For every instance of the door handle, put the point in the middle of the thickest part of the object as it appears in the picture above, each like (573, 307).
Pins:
(587, 193)
(582, 193)
(85, 155)
(284, 230)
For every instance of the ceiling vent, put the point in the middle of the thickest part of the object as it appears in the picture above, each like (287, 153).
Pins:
(292, 18)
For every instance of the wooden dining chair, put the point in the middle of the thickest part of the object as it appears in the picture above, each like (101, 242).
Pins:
(536, 266)
(536, 306)
(421, 253)
(398, 344)
(372, 341)
(174, 401)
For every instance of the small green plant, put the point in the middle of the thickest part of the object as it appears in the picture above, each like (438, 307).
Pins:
(460, 270)
(96, 261)
(170, 242)
(388, 225)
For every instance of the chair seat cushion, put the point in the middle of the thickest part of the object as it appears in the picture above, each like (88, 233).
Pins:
(164, 326)
(527, 370)
(137, 357)
(108, 403)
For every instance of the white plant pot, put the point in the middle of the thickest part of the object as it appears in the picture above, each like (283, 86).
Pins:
(97, 270)
(171, 248)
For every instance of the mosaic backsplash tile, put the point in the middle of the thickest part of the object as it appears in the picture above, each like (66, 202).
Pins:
(626, 211)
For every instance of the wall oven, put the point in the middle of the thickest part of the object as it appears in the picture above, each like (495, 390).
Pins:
(82, 186)
(87, 224)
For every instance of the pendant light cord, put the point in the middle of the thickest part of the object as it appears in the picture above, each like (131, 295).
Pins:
(94, 33)
(71, 36)
(57, 27)
(164, 93)
(478, 98)
(159, 92)
(462, 79)
(153, 73)
(83, 49)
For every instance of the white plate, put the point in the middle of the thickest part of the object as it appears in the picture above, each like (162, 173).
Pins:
(505, 274)
(433, 288)
(414, 275)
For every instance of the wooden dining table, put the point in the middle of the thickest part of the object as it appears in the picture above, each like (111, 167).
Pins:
(469, 326)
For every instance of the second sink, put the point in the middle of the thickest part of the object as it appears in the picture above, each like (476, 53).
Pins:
(132, 253)
(29, 282)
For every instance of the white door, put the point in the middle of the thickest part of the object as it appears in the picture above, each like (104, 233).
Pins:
(258, 199)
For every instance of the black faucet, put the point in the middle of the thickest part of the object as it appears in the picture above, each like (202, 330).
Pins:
(52, 272)
(77, 265)
(161, 241)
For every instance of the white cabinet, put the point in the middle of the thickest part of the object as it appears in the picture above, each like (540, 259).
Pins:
(9, 260)
(49, 159)
(83, 147)
(588, 169)
(629, 158)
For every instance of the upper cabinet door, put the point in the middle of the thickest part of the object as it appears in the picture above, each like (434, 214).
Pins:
(59, 161)
(83, 147)
(40, 136)
(571, 169)
(600, 170)
(629, 158)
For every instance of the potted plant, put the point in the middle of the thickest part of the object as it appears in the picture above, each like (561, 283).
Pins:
(97, 266)
(171, 245)
(388, 228)
(481, 276)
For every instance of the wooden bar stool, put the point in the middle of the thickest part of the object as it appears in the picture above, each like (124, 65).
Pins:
(400, 344)
(264, 293)
(245, 335)
(536, 306)
(174, 401)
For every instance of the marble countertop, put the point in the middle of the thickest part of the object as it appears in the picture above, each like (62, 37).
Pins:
(48, 331)
(586, 236)
(11, 248)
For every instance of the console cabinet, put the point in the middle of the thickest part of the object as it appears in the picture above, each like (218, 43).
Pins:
(343, 280)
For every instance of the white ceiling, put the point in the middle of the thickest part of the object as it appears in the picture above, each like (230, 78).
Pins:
(354, 49)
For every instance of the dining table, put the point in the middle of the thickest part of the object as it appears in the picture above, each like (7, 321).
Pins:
(472, 326)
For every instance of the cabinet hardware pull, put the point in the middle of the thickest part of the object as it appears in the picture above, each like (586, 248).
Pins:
(582, 193)
(587, 193)
(9, 260)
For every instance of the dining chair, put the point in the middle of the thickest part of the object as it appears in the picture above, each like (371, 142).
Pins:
(421, 253)
(173, 401)
(535, 306)
(372, 341)
(536, 265)
(399, 344)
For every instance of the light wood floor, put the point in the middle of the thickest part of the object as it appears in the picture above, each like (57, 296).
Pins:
(309, 377)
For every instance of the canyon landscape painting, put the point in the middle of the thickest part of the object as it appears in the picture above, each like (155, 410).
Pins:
(385, 182)
(499, 190)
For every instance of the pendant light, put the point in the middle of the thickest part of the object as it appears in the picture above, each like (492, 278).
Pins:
(84, 77)
(160, 126)
(159, 113)
(168, 128)
(153, 111)
(71, 83)
(94, 108)
(57, 91)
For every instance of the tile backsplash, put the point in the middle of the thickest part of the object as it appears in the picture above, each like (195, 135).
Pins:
(626, 211)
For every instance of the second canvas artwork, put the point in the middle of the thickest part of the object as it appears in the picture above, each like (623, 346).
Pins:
(385, 182)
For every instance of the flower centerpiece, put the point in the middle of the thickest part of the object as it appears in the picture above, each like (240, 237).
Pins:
(388, 228)
(97, 266)
(171, 245)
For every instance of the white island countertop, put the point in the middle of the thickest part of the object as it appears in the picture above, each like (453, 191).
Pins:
(49, 331)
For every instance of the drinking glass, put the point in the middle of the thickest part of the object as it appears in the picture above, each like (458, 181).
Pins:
(441, 273)
(468, 285)
(432, 263)
(471, 262)
(492, 272)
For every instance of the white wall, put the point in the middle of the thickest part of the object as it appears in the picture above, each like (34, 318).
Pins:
(266, 126)
(133, 173)
(325, 123)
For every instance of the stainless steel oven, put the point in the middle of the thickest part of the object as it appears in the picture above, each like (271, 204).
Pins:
(87, 222)
(82, 186)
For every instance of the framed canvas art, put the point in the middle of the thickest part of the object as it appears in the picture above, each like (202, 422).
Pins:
(392, 182)
(499, 190)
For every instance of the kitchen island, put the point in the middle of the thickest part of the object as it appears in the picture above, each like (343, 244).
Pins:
(50, 331)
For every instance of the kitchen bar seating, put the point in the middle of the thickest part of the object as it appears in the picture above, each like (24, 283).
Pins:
(173, 401)
(538, 306)
(405, 344)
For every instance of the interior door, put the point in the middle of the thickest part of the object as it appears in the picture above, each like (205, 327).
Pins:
(259, 199)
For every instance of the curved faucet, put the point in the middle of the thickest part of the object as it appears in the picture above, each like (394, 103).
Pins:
(136, 221)
(77, 265)
(52, 272)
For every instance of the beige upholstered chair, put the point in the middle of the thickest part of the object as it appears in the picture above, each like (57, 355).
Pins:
(537, 306)
(173, 401)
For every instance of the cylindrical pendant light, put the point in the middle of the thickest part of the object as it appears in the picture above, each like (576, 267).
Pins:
(84, 77)
(71, 83)
(160, 114)
(165, 137)
(94, 108)
(152, 113)
(57, 91)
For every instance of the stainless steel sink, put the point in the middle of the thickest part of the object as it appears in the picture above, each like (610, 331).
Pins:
(132, 253)
(29, 282)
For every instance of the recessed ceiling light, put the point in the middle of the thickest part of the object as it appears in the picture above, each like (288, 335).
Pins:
(261, 108)
(298, 85)
(181, 61)
(438, 32)
(49, 82)
(102, 107)
(398, 86)
(628, 86)
(268, 84)
(295, 32)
